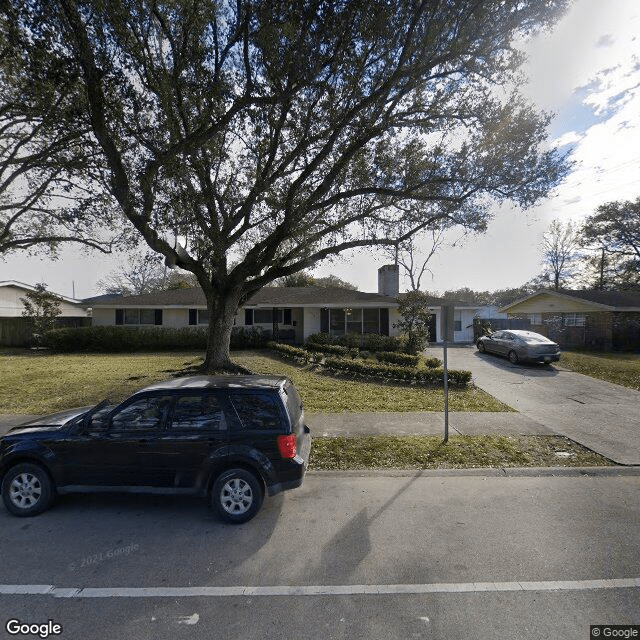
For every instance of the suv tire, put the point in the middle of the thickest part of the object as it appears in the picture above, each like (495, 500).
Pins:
(236, 495)
(27, 490)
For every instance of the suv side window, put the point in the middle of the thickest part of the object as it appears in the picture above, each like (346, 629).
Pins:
(259, 410)
(198, 411)
(142, 415)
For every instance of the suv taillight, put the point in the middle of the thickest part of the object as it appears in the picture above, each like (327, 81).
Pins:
(287, 445)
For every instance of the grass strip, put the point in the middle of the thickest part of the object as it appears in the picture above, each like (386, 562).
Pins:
(619, 368)
(460, 452)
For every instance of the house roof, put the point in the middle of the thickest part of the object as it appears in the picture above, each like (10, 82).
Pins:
(27, 287)
(606, 300)
(266, 297)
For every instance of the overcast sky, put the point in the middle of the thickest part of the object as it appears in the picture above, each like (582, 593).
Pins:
(587, 71)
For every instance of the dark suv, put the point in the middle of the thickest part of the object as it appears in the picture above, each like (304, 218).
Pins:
(231, 438)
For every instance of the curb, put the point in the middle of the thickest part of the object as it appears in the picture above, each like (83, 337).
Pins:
(488, 472)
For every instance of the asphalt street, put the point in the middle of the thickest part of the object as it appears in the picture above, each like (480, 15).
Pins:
(351, 555)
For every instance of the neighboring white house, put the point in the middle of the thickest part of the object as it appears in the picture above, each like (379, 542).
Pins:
(300, 311)
(13, 327)
(11, 305)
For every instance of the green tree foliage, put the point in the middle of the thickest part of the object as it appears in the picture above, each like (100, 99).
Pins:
(246, 141)
(613, 236)
(41, 308)
(415, 316)
(45, 146)
(304, 279)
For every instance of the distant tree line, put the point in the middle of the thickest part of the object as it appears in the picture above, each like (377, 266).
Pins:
(602, 253)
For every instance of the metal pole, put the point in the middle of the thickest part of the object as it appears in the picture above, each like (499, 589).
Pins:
(446, 393)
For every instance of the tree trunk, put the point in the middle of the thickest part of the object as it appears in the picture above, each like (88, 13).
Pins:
(222, 309)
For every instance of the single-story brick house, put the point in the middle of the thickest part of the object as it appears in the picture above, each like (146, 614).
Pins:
(590, 318)
(15, 330)
(300, 311)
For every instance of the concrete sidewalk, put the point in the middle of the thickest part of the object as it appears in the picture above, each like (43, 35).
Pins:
(423, 423)
(395, 423)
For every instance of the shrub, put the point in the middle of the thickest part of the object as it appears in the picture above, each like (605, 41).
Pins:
(403, 359)
(334, 349)
(319, 338)
(290, 351)
(376, 342)
(367, 341)
(119, 339)
(248, 338)
(397, 372)
(351, 340)
(433, 363)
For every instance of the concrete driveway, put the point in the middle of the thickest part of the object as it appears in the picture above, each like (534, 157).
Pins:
(602, 416)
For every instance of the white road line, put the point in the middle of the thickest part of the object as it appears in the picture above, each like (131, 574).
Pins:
(315, 590)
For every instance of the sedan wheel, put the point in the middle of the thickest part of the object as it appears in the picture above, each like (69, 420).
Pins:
(27, 490)
(237, 495)
(481, 347)
(513, 357)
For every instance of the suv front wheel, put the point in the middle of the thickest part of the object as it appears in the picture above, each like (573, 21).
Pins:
(27, 490)
(236, 495)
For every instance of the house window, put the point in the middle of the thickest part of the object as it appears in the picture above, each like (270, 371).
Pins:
(575, 320)
(343, 321)
(371, 321)
(198, 316)
(535, 318)
(265, 316)
(139, 316)
(354, 320)
(336, 322)
(457, 325)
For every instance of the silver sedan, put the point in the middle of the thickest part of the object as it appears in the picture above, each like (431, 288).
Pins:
(520, 346)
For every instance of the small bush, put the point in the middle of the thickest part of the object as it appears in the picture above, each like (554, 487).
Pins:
(367, 341)
(376, 342)
(319, 338)
(433, 363)
(403, 359)
(334, 349)
(397, 372)
(244, 338)
(290, 351)
(351, 340)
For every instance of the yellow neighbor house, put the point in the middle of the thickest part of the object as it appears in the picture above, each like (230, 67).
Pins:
(589, 318)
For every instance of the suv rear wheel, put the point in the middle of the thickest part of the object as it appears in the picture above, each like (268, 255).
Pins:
(27, 490)
(236, 495)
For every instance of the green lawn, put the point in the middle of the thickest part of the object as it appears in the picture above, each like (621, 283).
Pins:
(38, 383)
(619, 368)
(460, 452)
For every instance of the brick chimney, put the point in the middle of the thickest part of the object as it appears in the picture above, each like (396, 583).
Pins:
(389, 280)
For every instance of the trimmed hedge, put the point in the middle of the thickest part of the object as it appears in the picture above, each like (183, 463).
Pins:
(119, 339)
(290, 351)
(122, 339)
(334, 349)
(402, 359)
(367, 341)
(397, 372)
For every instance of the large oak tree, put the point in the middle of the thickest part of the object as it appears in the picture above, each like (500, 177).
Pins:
(247, 140)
